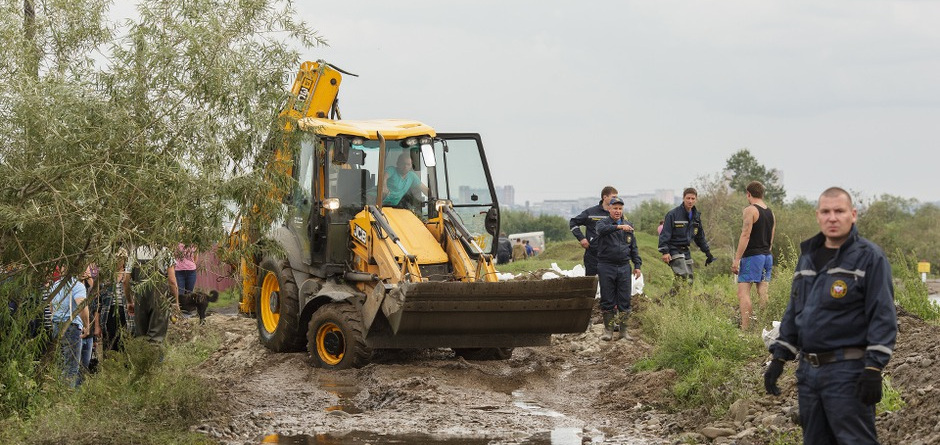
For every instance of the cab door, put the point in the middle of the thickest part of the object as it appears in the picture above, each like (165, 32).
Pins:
(463, 177)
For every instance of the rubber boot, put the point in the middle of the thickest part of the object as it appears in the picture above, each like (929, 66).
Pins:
(622, 323)
(608, 326)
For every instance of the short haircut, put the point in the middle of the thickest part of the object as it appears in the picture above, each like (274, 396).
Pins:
(835, 192)
(756, 189)
(689, 191)
(607, 191)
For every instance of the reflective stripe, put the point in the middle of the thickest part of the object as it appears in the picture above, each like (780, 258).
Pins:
(857, 272)
(678, 256)
(786, 345)
(881, 349)
(680, 222)
(805, 273)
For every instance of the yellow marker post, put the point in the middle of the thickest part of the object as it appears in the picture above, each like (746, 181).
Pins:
(924, 268)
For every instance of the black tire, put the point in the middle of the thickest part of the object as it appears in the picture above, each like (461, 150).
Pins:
(484, 353)
(336, 337)
(277, 307)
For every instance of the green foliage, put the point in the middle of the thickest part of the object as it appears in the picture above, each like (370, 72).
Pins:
(891, 400)
(744, 168)
(515, 221)
(896, 223)
(647, 216)
(134, 398)
(910, 292)
(695, 334)
(143, 138)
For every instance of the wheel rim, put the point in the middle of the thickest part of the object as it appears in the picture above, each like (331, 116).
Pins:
(331, 344)
(270, 302)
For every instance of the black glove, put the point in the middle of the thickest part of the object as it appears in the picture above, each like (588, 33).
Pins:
(709, 258)
(771, 375)
(868, 387)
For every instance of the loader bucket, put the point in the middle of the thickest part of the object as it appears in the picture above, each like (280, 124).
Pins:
(506, 308)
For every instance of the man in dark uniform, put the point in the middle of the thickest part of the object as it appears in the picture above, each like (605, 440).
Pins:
(681, 226)
(616, 248)
(588, 219)
(841, 320)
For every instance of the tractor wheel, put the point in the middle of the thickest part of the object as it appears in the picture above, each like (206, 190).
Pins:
(484, 353)
(336, 337)
(277, 307)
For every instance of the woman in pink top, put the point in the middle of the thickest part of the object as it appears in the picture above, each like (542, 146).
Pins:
(186, 258)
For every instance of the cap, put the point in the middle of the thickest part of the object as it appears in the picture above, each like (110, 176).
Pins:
(615, 200)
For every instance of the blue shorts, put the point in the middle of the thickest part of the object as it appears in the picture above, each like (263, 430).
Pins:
(755, 268)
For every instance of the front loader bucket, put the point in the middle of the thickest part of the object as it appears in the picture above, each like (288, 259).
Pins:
(491, 312)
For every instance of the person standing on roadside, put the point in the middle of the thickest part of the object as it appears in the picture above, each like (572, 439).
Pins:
(185, 268)
(588, 218)
(616, 248)
(503, 249)
(753, 261)
(154, 296)
(681, 227)
(70, 320)
(842, 322)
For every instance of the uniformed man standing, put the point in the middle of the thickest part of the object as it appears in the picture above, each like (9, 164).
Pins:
(682, 226)
(841, 320)
(616, 248)
(588, 219)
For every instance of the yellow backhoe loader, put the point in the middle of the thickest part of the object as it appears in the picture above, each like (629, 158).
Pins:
(389, 243)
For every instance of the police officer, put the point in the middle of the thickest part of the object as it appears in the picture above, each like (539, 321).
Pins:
(616, 248)
(841, 320)
(681, 226)
(588, 218)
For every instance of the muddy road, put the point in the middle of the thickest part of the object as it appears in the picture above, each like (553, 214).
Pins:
(559, 394)
(579, 390)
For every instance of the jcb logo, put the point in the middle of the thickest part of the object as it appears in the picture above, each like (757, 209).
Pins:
(360, 235)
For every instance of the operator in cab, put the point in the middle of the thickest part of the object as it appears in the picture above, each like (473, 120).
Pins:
(402, 183)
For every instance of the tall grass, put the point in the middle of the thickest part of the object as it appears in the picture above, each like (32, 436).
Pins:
(696, 334)
(910, 292)
(143, 395)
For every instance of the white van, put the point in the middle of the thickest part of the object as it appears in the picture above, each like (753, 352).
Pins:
(536, 240)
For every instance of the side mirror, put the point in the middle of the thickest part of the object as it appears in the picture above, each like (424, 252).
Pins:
(491, 223)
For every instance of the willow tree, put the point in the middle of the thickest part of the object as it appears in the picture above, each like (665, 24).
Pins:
(141, 132)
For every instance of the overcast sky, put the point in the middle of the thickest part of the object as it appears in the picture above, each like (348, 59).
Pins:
(644, 95)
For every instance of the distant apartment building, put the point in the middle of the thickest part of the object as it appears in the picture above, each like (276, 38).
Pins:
(568, 208)
(506, 195)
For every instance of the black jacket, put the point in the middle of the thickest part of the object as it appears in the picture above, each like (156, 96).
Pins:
(616, 246)
(849, 303)
(679, 231)
(588, 218)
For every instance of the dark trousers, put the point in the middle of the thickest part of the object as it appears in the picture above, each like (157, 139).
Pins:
(590, 264)
(829, 409)
(151, 314)
(615, 281)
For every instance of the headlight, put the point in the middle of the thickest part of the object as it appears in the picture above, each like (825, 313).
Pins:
(441, 203)
(411, 142)
(331, 203)
(425, 140)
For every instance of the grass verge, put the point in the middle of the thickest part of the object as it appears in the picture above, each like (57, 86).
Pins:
(142, 395)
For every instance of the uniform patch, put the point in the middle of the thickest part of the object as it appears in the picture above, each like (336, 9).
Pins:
(838, 289)
(695, 231)
(629, 239)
